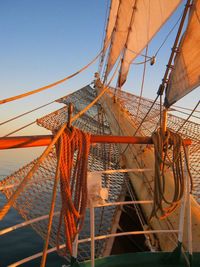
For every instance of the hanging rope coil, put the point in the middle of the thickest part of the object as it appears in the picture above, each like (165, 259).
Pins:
(168, 153)
(73, 183)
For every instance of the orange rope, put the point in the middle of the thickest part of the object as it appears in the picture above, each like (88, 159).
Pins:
(73, 183)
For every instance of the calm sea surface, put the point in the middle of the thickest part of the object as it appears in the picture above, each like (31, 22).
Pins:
(23, 242)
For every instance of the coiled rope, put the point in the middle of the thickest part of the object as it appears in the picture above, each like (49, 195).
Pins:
(164, 145)
(73, 183)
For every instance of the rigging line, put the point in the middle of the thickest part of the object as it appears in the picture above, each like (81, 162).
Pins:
(176, 110)
(142, 84)
(153, 103)
(158, 50)
(104, 36)
(105, 88)
(167, 36)
(142, 122)
(6, 100)
(189, 109)
(4, 210)
(17, 130)
(188, 117)
(134, 8)
(139, 54)
(142, 62)
(111, 42)
(25, 113)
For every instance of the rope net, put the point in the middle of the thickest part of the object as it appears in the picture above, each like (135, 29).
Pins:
(74, 149)
(35, 200)
(191, 130)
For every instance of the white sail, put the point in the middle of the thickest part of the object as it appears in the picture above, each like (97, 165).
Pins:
(120, 32)
(149, 16)
(186, 73)
(137, 22)
(111, 22)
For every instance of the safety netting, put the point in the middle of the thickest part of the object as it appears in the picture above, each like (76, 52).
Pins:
(136, 108)
(35, 199)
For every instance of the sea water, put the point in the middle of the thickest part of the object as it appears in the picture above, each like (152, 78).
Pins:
(23, 242)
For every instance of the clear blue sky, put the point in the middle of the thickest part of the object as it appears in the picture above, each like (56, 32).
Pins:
(45, 40)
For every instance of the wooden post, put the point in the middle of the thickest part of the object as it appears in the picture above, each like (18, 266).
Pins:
(70, 112)
(92, 234)
(164, 125)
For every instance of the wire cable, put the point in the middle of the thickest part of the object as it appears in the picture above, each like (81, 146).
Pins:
(17, 130)
(6, 100)
(189, 109)
(167, 36)
(188, 117)
(185, 113)
(142, 122)
(25, 113)
(142, 84)
(101, 59)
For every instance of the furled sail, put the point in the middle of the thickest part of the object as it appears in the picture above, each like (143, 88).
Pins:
(137, 22)
(185, 75)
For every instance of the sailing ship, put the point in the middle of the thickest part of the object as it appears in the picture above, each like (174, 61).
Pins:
(106, 142)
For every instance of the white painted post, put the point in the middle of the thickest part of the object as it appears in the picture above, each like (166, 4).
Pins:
(183, 207)
(75, 247)
(189, 217)
(92, 234)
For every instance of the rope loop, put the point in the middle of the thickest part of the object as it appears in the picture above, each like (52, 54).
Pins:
(73, 183)
(169, 151)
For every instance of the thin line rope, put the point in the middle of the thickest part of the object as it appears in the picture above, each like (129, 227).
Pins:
(142, 62)
(53, 201)
(101, 59)
(4, 210)
(185, 113)
(146, 114)
(111, 43)
(142, 55)
(142, 122)
(19, 129)
(106, 87)
(6, 100)
(25, 113)
(158, 50)
(189, 109)
(78, 115)
(188, 117)
(142, 84)
(167, 36)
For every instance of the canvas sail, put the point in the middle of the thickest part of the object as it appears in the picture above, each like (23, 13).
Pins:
(120, 32)
(111, 23)
(186, 73)
(148, 18)
(136, 23)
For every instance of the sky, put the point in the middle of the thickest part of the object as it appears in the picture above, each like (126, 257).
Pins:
(44, 41)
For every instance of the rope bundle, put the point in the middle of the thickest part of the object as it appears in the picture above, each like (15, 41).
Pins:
(73, 183)
(165, 144)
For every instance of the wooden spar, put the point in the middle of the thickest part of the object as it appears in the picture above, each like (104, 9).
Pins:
(44, 140)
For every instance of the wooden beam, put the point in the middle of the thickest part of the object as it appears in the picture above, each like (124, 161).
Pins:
(44, 140)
